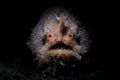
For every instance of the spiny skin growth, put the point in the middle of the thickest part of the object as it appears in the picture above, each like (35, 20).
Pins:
(58, 37)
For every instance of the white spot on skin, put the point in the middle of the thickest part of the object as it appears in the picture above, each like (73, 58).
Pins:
(58, 18)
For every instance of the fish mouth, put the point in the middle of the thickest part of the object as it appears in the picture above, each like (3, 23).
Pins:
(60, 51)
(60, 46)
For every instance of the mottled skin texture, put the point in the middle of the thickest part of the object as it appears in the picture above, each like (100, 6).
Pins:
(58, 36)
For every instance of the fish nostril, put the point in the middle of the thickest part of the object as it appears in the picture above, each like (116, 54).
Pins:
(59, 39)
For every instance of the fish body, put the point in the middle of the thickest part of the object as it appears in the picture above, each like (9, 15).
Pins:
(58, 36)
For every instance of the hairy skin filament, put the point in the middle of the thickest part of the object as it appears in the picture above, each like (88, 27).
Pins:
(58, 36)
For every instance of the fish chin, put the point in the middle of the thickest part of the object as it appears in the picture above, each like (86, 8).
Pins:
(59, 54)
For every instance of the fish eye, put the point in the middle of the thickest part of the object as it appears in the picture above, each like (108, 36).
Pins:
(49, 35)
(70, 35)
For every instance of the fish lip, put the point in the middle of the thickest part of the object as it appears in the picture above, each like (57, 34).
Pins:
(60, 46)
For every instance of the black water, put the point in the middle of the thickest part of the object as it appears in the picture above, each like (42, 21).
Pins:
(17, 22)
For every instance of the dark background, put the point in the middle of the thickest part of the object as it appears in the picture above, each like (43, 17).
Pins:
(18, 18)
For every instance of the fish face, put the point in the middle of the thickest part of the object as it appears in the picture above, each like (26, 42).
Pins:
(59, 36)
